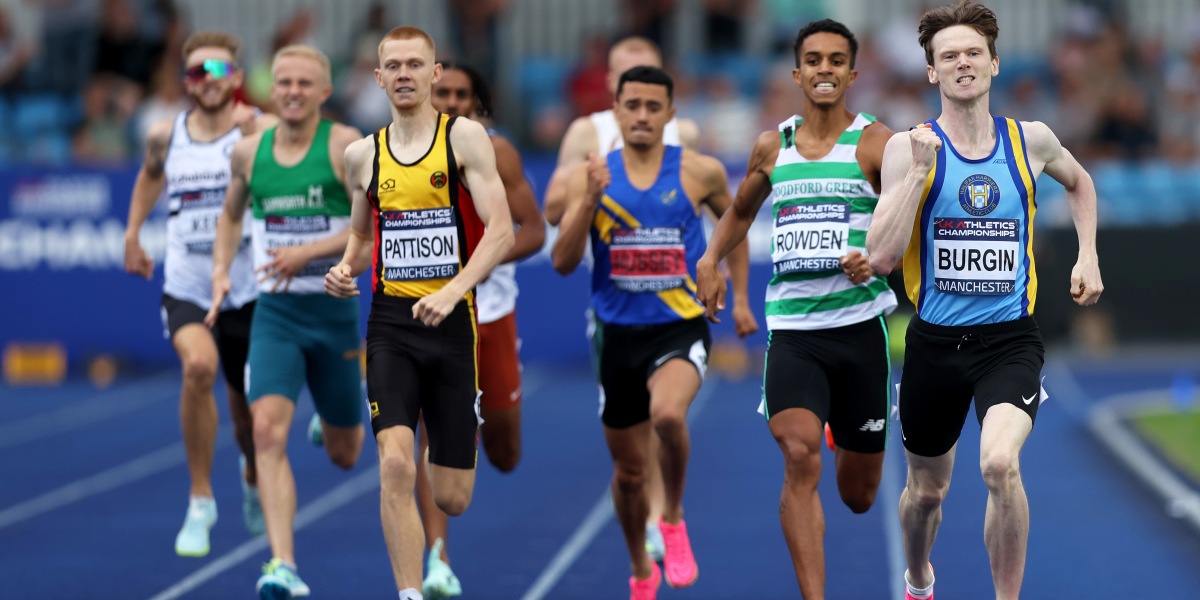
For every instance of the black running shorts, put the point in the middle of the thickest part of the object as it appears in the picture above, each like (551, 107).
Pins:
(232, 334)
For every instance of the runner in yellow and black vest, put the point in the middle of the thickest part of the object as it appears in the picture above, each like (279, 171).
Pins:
(292, 178)
(430, 220)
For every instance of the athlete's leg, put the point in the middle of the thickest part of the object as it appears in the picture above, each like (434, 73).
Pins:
(1006, 522)
(629, 447)
(435, 522)
(272, 415)
(233, 342)
(798, 432)
(343, 444)
(672, 387)
(398, 508)
(858, 475)
(500, 384)
(197, 407)
(243, 431)
(921, 510)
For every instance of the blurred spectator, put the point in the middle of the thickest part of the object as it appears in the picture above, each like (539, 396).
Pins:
(120, 48)
(165, 99)
(587, 86)
(780, 98)
(730, 126)
(364, 105)
(723, 25)
(473, 33)
(648, 19)
(300, 28)
(19, 45)
(104, 136)
(787, 17)
(1126, 129)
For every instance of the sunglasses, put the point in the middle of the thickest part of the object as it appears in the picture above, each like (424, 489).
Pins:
(219, 69)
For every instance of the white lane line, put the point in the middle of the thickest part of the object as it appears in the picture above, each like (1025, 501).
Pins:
(892, 468)
(595, 520)
(80, 414)
(137, 469)
(332, 500)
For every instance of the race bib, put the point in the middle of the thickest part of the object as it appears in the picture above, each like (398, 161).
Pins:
(196, 220)
(648, 260)
(419, 244)
(976, 257)
(810, 238)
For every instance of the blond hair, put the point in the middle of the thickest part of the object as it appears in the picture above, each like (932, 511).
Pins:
(407, 33)
(304, 51)
(636, 45)
(211, 39)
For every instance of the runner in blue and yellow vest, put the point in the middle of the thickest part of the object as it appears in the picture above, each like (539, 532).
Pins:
(958, 203)
(429, 219)
(640, 206)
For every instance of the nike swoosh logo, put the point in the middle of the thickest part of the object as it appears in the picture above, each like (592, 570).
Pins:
(1029, 399)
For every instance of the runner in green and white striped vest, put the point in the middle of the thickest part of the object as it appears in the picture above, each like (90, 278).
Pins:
(821, 211)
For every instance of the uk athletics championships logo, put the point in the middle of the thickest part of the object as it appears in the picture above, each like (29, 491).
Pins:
(979, 195)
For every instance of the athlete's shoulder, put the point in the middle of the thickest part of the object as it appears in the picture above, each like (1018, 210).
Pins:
(689, 133)
(579, 139)
(703, 167)
(1039, 138)
(160, 132)
(342, 135)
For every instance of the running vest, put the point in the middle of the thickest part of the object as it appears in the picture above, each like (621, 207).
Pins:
(197, 174)
(645, 244)
(608, 132)
(426, 226)
(820, 213)
(297, 205)
(496, 296)
(970, 261)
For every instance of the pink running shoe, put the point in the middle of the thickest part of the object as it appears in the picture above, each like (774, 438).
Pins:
(646, 589)
(908, 594)
(678, 561)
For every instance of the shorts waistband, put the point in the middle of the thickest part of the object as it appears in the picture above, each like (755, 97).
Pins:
(655, 326)
(954, 331)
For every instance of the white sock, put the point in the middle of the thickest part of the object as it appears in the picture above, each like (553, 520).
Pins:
(201, 502)
(921, 593)
(411, 594)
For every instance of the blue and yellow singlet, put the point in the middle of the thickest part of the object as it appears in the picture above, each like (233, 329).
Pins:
(645, 244)
(970, 261)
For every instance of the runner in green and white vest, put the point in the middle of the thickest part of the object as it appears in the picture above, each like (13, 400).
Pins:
(827, 365)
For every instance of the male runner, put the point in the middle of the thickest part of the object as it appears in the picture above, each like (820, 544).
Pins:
(188, 158)
(958, 203)
(827, 353)
(430, 220)
(640, 207)
(292, 177)
(462, 91)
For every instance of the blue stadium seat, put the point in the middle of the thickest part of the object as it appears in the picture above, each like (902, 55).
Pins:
(1119, 195)
(543, 82)
(38, 112)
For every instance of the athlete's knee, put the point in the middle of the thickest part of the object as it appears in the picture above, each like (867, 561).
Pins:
(397, 469)
(1001, 470)
(269, 432)
(630, 478)
(668, 421)
(504, 455)
(859, 498)
(926, 497)
(801, 458)
(453, 502)
(199, 371)
(344, 455)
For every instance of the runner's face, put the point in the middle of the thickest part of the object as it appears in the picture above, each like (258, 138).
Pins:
(824, 74)
(453, 95)
(407, 72)
(643, 110)
(299, 88)
(211, 78)
(963, 66)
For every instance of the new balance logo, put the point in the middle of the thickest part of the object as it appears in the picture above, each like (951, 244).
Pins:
(872, 425)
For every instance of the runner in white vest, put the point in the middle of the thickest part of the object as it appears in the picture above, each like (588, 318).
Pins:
(187, 161)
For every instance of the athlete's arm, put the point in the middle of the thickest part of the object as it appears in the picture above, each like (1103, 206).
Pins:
(711, 172)
(288, 261)
(250, 119)
(477, 159)
(689, 133)
(1044, 146)
(151, 180)
(341, 280)
(584, 190)
(869, 154)
(531, 229)
(229, 224)
(579, 141)
(907, 160)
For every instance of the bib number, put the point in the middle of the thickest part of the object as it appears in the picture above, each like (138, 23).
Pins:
(419, 244)
(648, 260)
(810, 238)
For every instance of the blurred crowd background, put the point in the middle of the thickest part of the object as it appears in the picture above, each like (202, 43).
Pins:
(81, 80)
